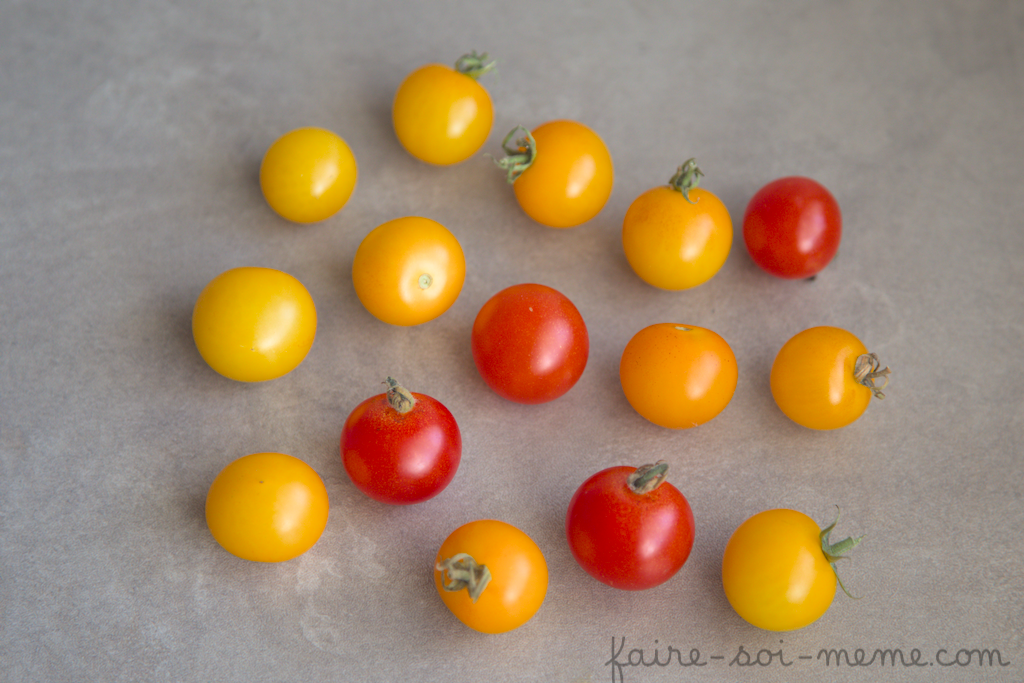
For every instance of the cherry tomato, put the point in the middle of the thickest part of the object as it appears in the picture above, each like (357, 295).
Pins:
(409, 270)
(530, 343)
(491, 575)
(308, 175)
(778, 570)
(254, 324)
(678, 376)
(678, 235)
(824, 378)
(792, 227)
(267, 507)
(401, 447)
(561, 173)
(629, 528)
(442, 115)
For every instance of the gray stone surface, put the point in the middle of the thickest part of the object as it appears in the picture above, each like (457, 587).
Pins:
(130, 139)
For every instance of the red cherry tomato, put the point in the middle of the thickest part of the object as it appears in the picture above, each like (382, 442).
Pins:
(530, 343)
(629, 528)
(401, 447)
(792, 227)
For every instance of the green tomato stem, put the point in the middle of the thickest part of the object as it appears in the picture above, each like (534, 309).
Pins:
(866, 371)
(646, 478)
(400, 398)
(462, 571)
(474, 65)
(686, 178)
(519, 155)
(835, 551)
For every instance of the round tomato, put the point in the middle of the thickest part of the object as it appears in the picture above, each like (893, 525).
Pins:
(491, 575)
(443, 115)
(409, 270)
(254, 324)
(267, 507)
(824, 378)
(778, 570)
(401, 447)
(629, 528)
(561, 173)
(308, 174)
(678, 235)
(792, 227)
(678, 376)
(530, 343)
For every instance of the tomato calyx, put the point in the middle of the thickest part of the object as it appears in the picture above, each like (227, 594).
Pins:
(399, 398)
(866, 371)
(646, 478)
(686, 178)
(474, 65)
(519, 155)
(462, 571)
(835, 551)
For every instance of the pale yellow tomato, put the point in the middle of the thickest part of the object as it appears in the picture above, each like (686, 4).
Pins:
(308, 174)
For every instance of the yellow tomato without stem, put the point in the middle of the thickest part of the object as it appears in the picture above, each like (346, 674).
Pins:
(672, 243)
(443, 115)
(775, 573)
(254, 324)
(517, 576)
(409, 270)
(678, 376)
(814, 378)
(267, 507)
(307, 175)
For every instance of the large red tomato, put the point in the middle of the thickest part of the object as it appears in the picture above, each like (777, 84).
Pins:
(629, 528)
(530, 343)
(401, 447)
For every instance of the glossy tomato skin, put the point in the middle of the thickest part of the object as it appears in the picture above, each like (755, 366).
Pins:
(408, 271)
(519, 576)
(673, 244)
(570, 178)
(401, 458)
(267, 507)
(441, 116)
(254, 324)
(308, 175)
(530, 343)
(792, 227)
(678, 376)
(774, 571)
(812, 378)
(626, 539)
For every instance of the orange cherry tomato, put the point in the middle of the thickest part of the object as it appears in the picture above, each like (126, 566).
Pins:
(307, 175)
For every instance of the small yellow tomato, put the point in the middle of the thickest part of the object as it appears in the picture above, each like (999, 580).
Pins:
(491, 575)
(254, 324)
(678, 376)
(824, 378)
(678, 235)
(408, 270)
(307, 175)
(267, 507)
(777, 570)
(443, 115)
(561, 173)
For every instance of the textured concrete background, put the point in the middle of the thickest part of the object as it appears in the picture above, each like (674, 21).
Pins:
(130, 139)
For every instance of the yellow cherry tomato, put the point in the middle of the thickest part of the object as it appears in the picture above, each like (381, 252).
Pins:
(409, 270)
(267, 507)
(777, 570)
(254, 324)
(824, 378)
(308, 174)
(491, 575)
(561, 173)
(678, 376)
(443, 115)
(678, 235)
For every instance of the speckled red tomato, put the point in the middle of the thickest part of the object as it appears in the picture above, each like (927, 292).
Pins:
(629, 528)
(401, 447)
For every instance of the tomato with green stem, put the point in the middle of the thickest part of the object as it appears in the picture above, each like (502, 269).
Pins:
(677, 236)
(308, 175)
